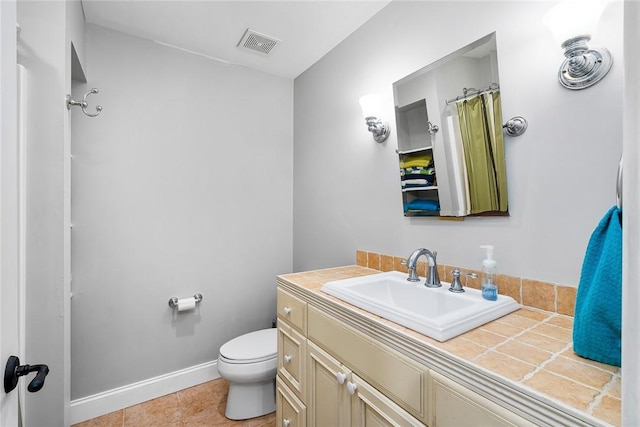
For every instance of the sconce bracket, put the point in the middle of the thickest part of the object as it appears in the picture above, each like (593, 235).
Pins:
(584, 69)
(516, 126)
(379, 130)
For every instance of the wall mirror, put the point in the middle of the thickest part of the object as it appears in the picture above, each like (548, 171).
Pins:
(450, 140)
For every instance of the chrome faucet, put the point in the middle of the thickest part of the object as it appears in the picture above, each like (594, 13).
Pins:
(433, 281)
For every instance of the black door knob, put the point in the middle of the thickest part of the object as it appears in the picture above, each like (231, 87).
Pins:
(13, 370)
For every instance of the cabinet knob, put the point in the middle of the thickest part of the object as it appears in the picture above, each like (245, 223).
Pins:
(286, 422)
(341, 377)
(286, 310)
(287, 358)
(351, 388)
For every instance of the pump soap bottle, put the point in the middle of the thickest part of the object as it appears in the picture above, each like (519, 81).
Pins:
(489, 286)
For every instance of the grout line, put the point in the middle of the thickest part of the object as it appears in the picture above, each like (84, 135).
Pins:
(521, 291)
(538, 368)
(583, 362)
(508, 339)
(603, 392)
(553, 357)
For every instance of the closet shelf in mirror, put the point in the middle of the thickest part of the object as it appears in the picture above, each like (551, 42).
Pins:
(431, 187)
(415, 150)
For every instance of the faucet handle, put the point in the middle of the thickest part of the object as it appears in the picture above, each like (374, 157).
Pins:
(471, 275)
(413, 274)
(456, 285)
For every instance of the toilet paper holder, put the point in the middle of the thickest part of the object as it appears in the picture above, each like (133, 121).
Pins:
(173, 302)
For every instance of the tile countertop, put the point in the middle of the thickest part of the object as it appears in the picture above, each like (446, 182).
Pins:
(529, 347)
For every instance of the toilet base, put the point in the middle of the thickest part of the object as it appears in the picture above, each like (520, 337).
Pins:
(250, 400)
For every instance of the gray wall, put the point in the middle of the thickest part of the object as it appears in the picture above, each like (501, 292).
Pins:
(183, 184)
(561, 173)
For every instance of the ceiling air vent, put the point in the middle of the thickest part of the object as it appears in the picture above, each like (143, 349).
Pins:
(257, 42)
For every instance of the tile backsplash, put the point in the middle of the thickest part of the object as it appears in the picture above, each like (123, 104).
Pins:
(532, 293)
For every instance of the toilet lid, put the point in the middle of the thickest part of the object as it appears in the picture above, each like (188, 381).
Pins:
(252, 347)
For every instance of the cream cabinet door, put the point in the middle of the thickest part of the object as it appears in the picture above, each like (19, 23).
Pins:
(453, 405)
(328, 402)
(370, 408)
(290, 411)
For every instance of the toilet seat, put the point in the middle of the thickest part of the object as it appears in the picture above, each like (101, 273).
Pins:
(253, 347)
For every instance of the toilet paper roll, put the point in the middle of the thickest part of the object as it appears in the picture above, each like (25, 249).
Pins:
(186, 304)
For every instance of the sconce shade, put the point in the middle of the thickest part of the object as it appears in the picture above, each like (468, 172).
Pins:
(572, 24)
(371, 105)
(570, 18)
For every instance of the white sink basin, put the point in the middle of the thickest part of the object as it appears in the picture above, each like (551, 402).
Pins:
(434, 312)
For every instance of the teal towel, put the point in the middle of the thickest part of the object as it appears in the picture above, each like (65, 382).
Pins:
(422, 205)
(597, 323)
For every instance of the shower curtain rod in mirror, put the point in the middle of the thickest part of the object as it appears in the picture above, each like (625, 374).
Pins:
(467, 92)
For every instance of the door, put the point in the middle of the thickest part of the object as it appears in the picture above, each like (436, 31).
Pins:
(328, 402)
(9, 206)
(290, 411)
(372, 409)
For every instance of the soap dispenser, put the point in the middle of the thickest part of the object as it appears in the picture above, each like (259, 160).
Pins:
(489, 286)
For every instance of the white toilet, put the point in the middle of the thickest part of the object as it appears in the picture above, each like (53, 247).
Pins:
(249, 362)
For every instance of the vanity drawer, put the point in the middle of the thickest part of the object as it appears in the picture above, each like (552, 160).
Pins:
(293, 310)
(290, 411)
(292, 350)
(453, 405)
(395, 375)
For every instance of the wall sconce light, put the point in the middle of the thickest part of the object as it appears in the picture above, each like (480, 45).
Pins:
(371, 106)
(572, 23)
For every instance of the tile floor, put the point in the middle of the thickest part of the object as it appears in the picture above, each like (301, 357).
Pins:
(202, 405)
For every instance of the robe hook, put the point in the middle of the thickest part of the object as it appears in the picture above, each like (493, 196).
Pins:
(83, 104)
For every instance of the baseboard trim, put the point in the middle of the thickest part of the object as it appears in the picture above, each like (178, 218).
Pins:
(108, 401)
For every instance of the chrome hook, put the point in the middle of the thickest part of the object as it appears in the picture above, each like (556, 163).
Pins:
(83, 104)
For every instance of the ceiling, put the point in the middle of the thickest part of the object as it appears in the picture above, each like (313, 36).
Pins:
(307, 29)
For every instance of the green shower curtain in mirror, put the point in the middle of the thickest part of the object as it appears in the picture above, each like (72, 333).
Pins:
(481, 128)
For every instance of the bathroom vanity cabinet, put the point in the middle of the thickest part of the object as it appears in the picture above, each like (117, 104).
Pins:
(332, 373)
